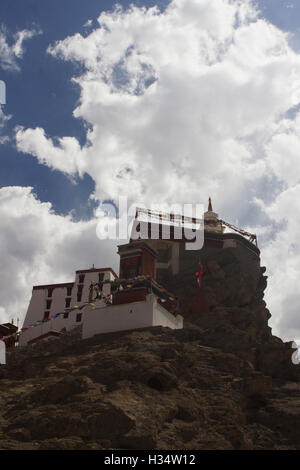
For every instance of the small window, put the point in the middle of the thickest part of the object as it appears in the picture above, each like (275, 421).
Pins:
(81, 278)
(69, 291)
(68, 301)
(101, 276)
(78, 317)
(66, 315)
(80, 288)
(50, 292)
(132, 272)
(79, 295)
(46, 315)
(48, 304)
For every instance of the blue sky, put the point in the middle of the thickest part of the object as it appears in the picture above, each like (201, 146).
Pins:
(198, 98)
(41, 94)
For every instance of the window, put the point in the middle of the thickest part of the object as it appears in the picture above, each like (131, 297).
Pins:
(81, 278)
(69, 291)
(132, 272)
(66, 315)
(50, 292)
(79, 293)
(101, 276)
(78, 317)
(68, 301)
(46, 315)
(48, 304)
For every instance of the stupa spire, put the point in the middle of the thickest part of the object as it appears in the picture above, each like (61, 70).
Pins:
(210, 209)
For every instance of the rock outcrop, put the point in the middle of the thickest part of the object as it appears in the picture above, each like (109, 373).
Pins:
(222, 382)
(230, 307)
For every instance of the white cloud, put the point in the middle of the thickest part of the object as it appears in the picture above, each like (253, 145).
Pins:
(183, 104)
(3, 120)
(88, 23)
(40, 247)
(174, 100)
(10, 52)
(281, 255)
(283, 151)
(64, 157)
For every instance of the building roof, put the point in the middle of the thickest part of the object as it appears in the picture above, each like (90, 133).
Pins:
(135, 245)
(71, 284)
(94, 270)
(53, 286)
(8, 328)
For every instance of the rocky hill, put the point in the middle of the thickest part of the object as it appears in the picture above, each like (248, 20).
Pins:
(223, 382)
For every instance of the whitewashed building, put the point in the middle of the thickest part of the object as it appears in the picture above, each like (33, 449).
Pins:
(49, 300)
(138, 303)
(127, 316)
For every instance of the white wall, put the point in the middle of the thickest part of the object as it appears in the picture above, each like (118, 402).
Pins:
(37, 307)
(88, 278)
(54, 324)
(162, 317)
(127, 317)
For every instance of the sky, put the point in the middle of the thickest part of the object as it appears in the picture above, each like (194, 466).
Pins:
(158, 101)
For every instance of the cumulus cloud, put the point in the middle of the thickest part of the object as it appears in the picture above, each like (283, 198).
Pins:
(281, 255)
(39, 247)
(11, 51)
(66, 156)
(185, 103)
(175, 101)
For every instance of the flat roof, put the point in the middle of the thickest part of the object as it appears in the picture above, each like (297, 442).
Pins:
(53, 286)
(8, 327)
(94, 270)
(71, 284)
(136, 245)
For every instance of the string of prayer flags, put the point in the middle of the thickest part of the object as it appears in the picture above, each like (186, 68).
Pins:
(117, 285)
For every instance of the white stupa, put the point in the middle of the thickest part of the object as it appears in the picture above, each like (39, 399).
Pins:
(211, 220)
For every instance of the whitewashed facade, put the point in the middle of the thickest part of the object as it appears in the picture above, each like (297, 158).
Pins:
(48, 300)
(102, 319)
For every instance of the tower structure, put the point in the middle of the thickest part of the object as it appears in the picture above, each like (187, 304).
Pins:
(211, 220)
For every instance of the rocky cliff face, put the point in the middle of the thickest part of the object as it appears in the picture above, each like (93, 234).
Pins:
(230, 307)
(223, 382)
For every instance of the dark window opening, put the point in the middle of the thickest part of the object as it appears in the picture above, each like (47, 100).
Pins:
(46, 315)
(81, 278)
(80, 288)
(101, 276)
(48, 304)
(69, 291)
(50, 292)
(66, 315)
(68, 301)
(78, 317)
(79, 295)
(133, 272)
